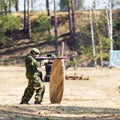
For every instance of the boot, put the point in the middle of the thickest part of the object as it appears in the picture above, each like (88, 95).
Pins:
(38, 102)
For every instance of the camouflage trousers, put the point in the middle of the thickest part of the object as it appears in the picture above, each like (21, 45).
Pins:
(34, 85)
(71, 64)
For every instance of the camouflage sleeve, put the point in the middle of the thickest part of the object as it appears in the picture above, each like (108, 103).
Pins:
(35, 62)
(32, 61)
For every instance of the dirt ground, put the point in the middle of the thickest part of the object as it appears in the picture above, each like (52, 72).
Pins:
(95, 99)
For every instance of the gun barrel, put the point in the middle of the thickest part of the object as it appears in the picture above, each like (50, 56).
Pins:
(50, 58)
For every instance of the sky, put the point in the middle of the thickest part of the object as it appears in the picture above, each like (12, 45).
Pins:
(40, 4)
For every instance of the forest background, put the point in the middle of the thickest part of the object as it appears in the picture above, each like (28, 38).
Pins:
(80, 28)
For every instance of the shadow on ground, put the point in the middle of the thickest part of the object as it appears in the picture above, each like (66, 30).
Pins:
(40, 112)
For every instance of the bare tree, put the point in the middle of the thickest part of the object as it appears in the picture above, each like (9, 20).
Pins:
(92, 36)
(48, 8)
(110, 24)
(55, 29)
(97, 32)
(9, 6)
(5, 6)
(10, 3)
(27, 24)
(48, 13)
(70, 17)
(16, 6)
(28, 19)
(25, 21)
(32, 5)
(73, 18)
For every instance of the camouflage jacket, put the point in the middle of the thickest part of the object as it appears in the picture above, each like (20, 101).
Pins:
(31, 65)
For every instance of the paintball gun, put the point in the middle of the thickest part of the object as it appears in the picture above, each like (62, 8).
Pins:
(50, 58)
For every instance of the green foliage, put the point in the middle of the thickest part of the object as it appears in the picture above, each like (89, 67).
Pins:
(86, 50)
(102, 26)
(41, 31)
(14, 1)
(8, 23)
(77, 4)
(116, 28)
(43, 22)
(104, 48)
(64, 3)
(105, 43)
(2, 5)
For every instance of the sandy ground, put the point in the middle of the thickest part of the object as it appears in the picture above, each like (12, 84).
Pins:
(95, 99)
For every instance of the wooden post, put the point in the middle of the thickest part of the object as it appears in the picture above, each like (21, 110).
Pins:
(62, 49)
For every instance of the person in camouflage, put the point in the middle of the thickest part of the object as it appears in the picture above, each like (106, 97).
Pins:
(71, 62)
(34, 81)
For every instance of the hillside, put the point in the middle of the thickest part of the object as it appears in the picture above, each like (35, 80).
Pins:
(14, 52)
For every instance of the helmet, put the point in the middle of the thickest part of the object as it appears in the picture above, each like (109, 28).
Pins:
(74, 54)
(35, 50)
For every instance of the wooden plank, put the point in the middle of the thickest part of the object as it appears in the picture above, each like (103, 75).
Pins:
(57, 78)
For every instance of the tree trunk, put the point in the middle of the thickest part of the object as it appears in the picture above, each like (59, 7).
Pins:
(111, 26)
(98, 34)
(73, 17)
(16, 6)
(9, 6)
(48, 7)
(25, 21)
(70, 17)
(32, 5)
(108, 22)
(5, 7)
(48, 13)
(55, 29)
(29, 24)
(92, 36)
